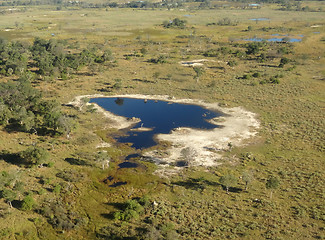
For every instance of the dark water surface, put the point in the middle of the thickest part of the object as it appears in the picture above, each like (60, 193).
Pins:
(162, 116)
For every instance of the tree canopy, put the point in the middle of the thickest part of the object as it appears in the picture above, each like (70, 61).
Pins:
(50, 58)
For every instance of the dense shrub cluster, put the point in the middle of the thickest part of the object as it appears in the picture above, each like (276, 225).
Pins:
(62, 216)
(175, 23)
(22, 108)
(132, 209)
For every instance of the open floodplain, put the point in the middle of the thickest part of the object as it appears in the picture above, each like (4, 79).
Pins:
(258, 175)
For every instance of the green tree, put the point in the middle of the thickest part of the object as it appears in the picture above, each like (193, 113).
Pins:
(5, 114)
(283, 61)
(247, 177)
(26, 119)
(199, 72)
(9, 195)
(228, 181)
(254, 47)
(28, 203)
(156, 75)
(34, 156)
(51, 119)
(175, 23)
(272, 183)
(103, 159)
(65, 125)
(19, 188)
(143, 51)
(132, 210)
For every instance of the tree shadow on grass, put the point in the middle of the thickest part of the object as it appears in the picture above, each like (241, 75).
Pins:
(117, 205)
(75, 161)
(233, 189)
(142, 80)
(12, 158)
(16, 204)
(189, 90)
(196, 183)
(109, 216)
(270, 66)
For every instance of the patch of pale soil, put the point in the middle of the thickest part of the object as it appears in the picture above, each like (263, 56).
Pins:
(141, 129)
(193, 147)
(103, 145)
(198, 62)
(193, 63)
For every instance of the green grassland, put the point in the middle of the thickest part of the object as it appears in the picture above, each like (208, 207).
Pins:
(73, 199)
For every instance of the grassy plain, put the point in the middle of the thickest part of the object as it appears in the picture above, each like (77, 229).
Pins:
(191, 204)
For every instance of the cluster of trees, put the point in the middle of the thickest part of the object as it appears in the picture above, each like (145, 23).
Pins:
(22, 108)
(175, 23)
(230, 181)
(12, 188)
(49, 57)
(227, 22)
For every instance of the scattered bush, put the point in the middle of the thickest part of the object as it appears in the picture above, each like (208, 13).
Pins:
(61, 216)
(232, 63)
(57, 188)
(211, 53)
(283, 61)
(28, 203)
(227, 22)
(71, 175)
(118, 84)
(132, 209)
(160, 59)
(175, 23)
(256, 75)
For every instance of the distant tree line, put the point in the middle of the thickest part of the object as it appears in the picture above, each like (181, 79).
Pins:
(131, 4)
(47, 58)
(291, 5)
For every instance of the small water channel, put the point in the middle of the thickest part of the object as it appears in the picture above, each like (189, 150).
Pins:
(274, 39)
(157, 117)
(260, 19)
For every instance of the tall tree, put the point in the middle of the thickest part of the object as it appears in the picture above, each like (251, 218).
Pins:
(199, 72)
(228, 181)
(34, 156)
(9, 195)
(103, 159)
(272, 183)
(247, 177)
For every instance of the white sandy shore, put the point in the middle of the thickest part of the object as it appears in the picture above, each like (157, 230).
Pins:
(203, 147)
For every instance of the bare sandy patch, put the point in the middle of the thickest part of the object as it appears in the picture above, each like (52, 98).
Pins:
(193, 63)
(192, 147)
(198, 62)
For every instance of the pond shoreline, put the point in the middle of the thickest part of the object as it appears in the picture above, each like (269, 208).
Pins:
(203, 148)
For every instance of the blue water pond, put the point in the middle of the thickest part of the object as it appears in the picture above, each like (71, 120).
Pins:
(259, 19)
(160, 116)
(273, 39)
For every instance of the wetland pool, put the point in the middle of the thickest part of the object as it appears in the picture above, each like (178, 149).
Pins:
(274, 39)
(156, 117)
